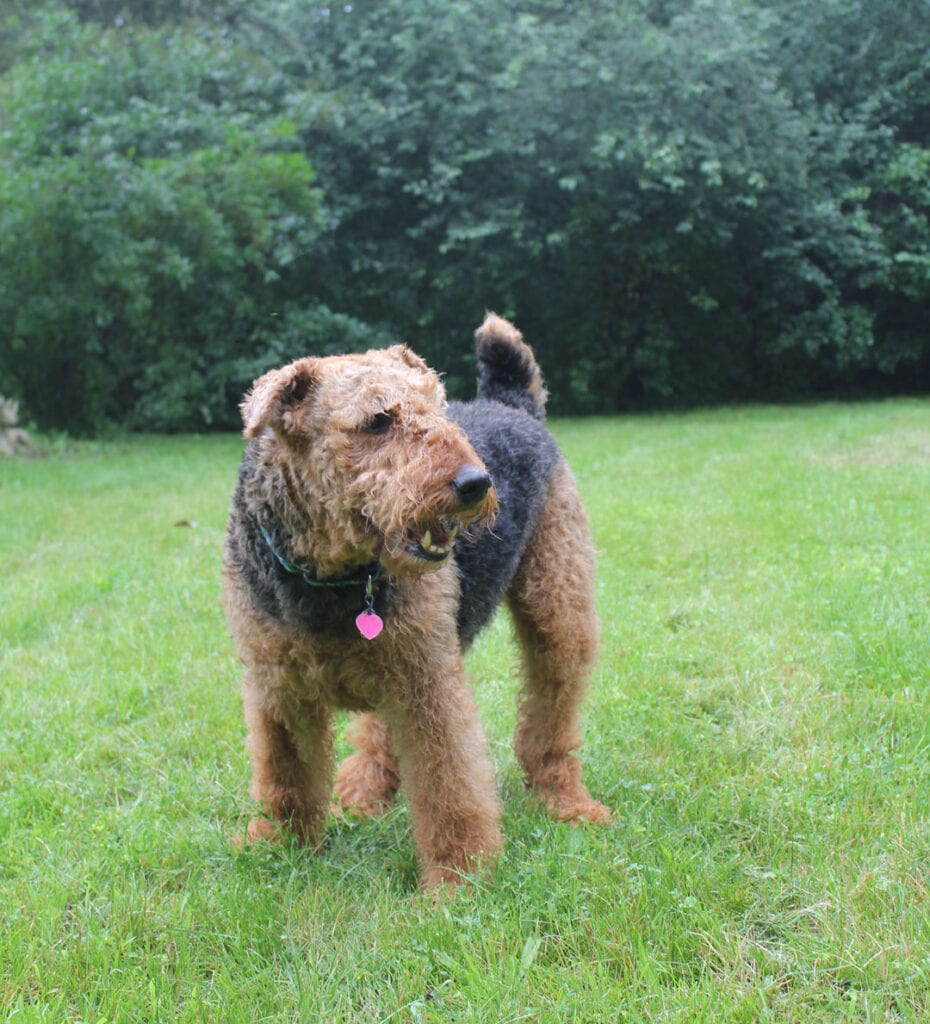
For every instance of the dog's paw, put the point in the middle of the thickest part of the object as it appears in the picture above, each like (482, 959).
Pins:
(580, 812)
(263, 830)
(557, 785)
(259, 830)
(364, 787)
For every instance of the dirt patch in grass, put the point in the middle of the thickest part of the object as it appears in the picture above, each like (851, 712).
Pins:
(900, 448)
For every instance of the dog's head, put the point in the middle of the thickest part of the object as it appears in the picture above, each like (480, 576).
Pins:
(368, 460)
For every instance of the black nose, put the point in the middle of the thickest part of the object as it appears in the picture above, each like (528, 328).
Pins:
(471, 485)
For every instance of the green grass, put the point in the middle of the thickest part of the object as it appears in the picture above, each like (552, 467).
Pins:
(758, 722)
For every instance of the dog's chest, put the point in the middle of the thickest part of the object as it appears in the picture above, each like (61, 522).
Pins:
(344, 669)
(353, 676)
(352, 680)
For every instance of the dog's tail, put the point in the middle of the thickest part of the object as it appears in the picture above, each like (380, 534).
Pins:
(509, 371)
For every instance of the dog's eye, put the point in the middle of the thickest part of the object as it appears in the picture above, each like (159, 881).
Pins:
(380, 423)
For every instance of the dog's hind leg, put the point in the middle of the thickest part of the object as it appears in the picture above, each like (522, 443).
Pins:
(551, 598)
(367, 781)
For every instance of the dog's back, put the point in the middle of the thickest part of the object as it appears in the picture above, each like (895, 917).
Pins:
(505, 426)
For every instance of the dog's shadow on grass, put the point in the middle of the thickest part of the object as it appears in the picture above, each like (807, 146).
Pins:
(362, 855)
(355, 854)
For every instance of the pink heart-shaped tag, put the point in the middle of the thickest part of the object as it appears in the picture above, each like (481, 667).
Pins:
(369, 624)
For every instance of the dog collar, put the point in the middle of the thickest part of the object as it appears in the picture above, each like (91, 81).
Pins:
(368, 622)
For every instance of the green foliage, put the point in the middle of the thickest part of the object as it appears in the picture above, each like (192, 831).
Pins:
(148, 232)
(669, 216)
(680, 202)
(131, 286)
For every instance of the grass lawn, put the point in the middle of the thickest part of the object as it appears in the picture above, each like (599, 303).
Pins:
(759, 724)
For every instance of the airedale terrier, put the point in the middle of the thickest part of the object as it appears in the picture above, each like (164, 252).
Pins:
(373, 531)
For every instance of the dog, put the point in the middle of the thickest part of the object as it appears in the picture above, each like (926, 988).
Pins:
(374, 529)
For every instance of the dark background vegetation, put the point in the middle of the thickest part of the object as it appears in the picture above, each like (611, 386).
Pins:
(679, 201)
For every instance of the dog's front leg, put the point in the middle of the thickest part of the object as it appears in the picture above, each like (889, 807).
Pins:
(291, 767)
(447, 775)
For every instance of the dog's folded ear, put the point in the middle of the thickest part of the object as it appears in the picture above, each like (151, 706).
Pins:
(407, 356)
(279, 398)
